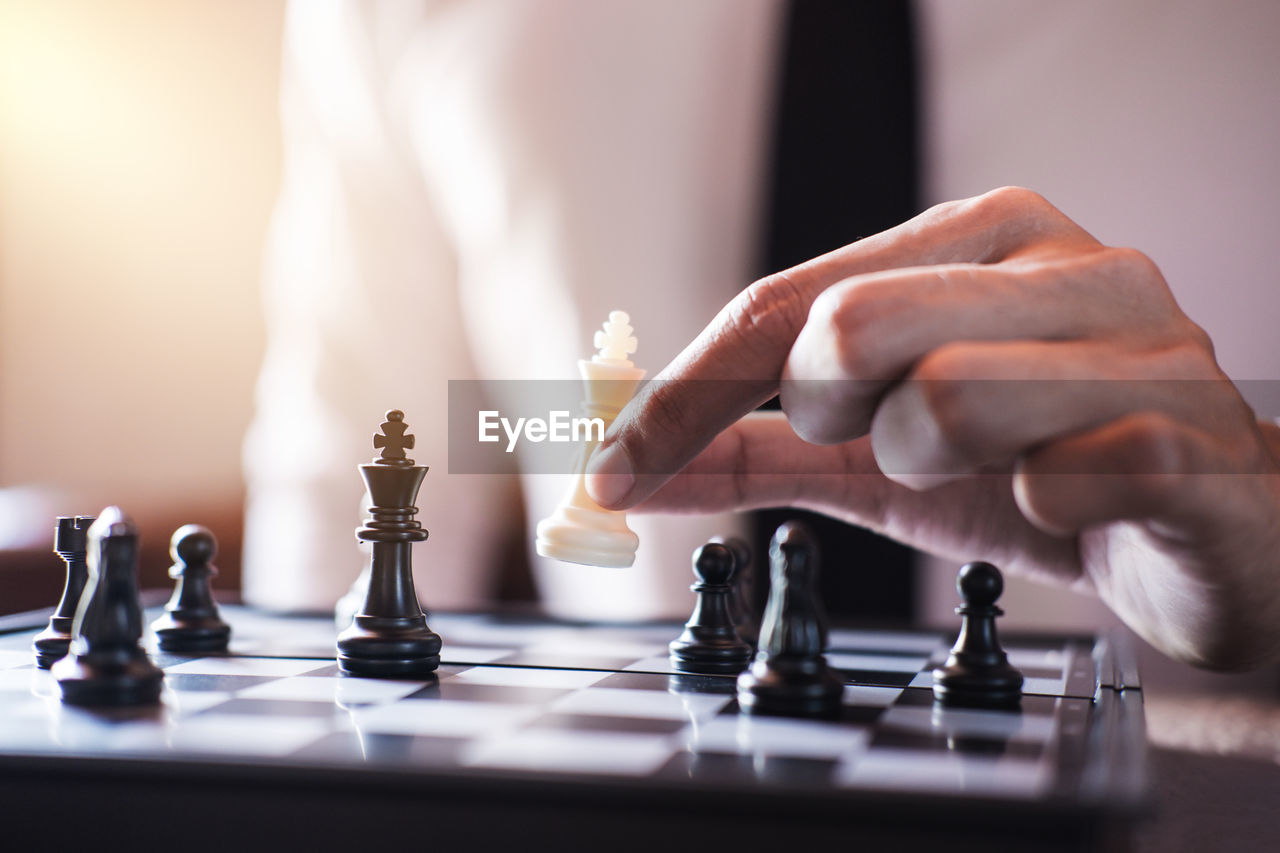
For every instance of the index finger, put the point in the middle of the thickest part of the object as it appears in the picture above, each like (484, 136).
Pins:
(734, 364)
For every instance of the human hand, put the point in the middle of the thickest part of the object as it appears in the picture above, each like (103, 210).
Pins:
(1121, 459)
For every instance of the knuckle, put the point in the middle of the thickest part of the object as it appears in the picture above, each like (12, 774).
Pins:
(1199, 339)
(1132, 266)
(1018, 198)
(1011, 218)
(945, 211)
(1157, 450)
(948, 397)
(1191, 358)
(853, 319)
(767, 310)
(1135, 277)
(1011, 201)
(1138, 280)
(856, 358)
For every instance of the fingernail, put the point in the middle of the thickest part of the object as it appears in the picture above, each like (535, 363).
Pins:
(609, 476)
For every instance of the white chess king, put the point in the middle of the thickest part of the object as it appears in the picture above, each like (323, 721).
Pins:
(581, 531)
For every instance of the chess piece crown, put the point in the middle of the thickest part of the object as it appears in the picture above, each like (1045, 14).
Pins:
(393, 440)
(615, 340)
(393, 480)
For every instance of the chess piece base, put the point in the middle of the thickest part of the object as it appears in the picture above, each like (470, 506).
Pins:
(960, 685)
(50, 647)
(137, 682)
(175, 634)
(710, 657)
(382, 647)
(802, 688)
(599, 538)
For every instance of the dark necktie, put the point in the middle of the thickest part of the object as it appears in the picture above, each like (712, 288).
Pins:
(844, 166)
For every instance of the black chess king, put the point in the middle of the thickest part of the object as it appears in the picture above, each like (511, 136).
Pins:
(389, 637)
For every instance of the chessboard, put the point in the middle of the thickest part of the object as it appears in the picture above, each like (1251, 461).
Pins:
(585, 736)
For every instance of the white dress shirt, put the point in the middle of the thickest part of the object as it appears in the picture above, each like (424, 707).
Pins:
(470, 187)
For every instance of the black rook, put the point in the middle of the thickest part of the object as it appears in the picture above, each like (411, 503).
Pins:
(71, 543)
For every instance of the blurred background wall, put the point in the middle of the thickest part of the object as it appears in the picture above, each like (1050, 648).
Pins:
(139, 160)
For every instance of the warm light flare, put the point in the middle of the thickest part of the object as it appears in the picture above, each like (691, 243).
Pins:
(138, 163)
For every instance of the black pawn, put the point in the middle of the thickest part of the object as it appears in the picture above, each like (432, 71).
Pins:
(70, 542)
(106, 666)
(190, 622)
(389, 636)
(710, 643)
(977, 674)
(790, 675)
(743, 606)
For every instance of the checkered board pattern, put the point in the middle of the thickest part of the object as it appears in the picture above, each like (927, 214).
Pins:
(543, 700)
(1063, 667)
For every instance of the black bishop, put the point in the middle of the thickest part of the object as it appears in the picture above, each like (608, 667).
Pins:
(790, 675)
(106, 666)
